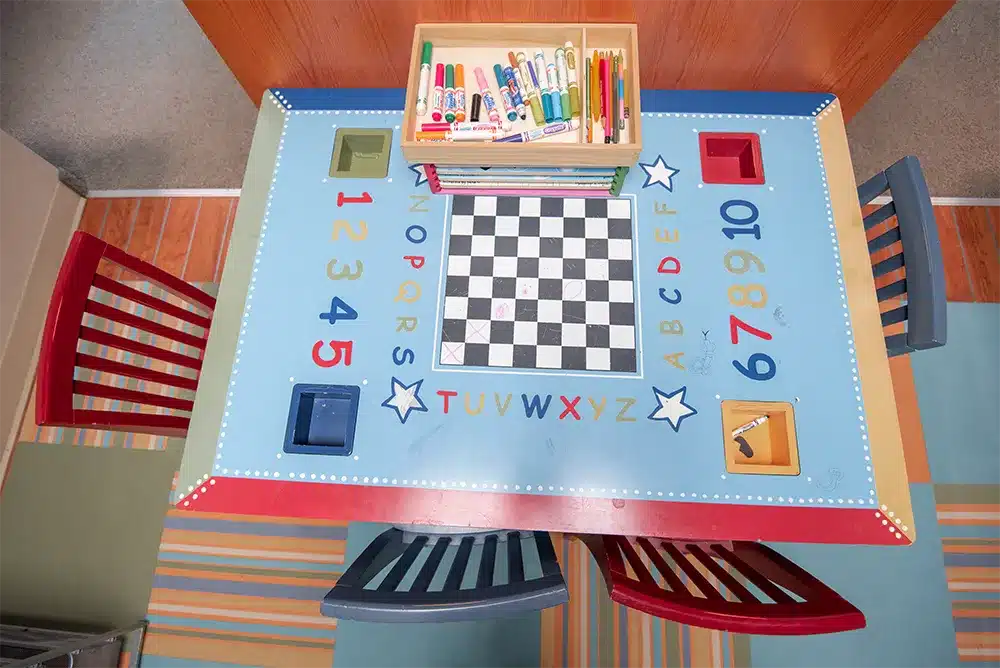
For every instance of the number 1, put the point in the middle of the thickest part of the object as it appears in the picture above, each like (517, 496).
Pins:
(735, 324)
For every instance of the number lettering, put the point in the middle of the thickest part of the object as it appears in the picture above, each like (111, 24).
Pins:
(741, 295)
(726, 206)
(344, 226)
(747, 260)
(333, 275)
(750, 370)
(339, 310)
(731, 232)
(735, 324)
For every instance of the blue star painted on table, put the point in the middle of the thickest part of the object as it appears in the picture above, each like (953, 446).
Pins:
(405, 399)
(671, 407)
(659, 172)
(421, 175)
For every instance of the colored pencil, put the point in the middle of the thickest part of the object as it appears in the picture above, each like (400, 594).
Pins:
(621, 92)
(585, 107)
(595, 89)
(614, 99)
(606, 98)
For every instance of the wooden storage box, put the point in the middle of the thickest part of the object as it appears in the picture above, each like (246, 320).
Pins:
(483, 45)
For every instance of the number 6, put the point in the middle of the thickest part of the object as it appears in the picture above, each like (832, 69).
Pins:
(751, 372)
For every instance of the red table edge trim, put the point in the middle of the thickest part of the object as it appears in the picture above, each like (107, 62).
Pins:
(674, 519)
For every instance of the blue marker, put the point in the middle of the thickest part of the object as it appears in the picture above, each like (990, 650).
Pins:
(542, 84)
(508, 101)
(515, 91)
(551, 84)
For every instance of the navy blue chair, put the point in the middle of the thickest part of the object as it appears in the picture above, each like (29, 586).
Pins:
(918, 296)
(448, 576)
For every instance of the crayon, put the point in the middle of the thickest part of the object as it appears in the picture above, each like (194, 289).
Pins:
(562, 76)
(425, 79)
(487, 96)
(530, 86)
(574, 87)
(437, 107)
(449, 93)
(515, 91)
(508, 101)
(542, 132)
(459, 93)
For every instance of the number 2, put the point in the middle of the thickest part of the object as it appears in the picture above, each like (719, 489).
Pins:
(735, 324)
(343, 225)
(751, 372)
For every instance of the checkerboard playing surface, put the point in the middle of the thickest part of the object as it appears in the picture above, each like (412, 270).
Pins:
(540, 283)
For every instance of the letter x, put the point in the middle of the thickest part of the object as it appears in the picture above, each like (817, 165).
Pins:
(570, 408)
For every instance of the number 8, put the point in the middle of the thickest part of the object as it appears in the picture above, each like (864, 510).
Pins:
(745, 292)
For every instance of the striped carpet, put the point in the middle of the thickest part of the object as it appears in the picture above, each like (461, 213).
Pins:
(969, 520)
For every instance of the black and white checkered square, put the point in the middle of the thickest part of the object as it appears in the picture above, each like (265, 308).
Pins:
(540, 283)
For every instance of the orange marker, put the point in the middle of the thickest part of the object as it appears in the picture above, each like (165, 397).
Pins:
(459, 93)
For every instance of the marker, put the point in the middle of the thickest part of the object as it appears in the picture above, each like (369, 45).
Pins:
(586, 102)
(749, 425)
(574, 87)
(468, 135)
(425, 79)
(551, 83)
(606, 99)
(459, 93)
(515, 90)
(437, 107)
(530, 85)
(487, 97)
(508, 101)
(562, 76)
(477, 103)
(457, 127)
(542, 132)
(449, 93)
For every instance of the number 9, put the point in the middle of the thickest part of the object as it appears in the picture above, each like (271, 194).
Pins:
(751, 372)
(746, 260)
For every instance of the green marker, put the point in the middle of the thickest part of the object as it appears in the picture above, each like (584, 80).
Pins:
(449, 93)
(423, 90)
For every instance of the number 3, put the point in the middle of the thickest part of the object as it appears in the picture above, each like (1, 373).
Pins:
(740, 295)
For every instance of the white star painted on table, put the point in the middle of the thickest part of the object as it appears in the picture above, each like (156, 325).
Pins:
(659, 172)
(405, 399)
(421, 175)
(671, 407)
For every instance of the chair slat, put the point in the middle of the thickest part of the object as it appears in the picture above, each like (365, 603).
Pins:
(872, 188)
(134, 396)
(106, 365)
(703, 585)
(663, 568)
(547, 554)
(118, 288)
(457, 571)
(429, 569)
(724, 576)
(144, 324)
(880, 215)
(885, 266)
(487, 563)
(515, 560)
(894, 316)
(776, 593)
(641, 572)
(160, 278)
(399, 569)
(163, 425)
(896, 289)
(884, 240)
(121, 343)
(898, 344)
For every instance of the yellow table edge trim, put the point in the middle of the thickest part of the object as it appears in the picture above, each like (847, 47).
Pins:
(894, 511)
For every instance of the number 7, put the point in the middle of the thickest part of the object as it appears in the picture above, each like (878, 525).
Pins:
(736, 324)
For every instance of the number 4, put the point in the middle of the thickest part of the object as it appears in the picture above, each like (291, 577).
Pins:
(735, 324)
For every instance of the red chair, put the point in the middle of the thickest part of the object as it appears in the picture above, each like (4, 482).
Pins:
(65, 374)
(785, 600)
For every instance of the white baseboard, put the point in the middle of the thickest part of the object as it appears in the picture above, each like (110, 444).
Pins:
(949, 201)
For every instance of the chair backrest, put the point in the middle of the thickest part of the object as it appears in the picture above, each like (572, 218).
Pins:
(431, 577)
(917, 295)
(148, 385)
(742, 586)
